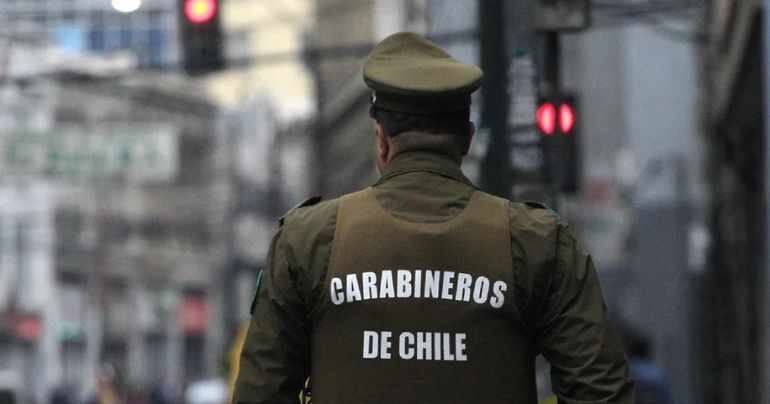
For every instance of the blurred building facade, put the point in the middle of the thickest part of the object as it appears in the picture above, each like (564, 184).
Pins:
(342, 149)
(27, 314)
(153, 287)
(263, 44)
(135, 175)
(85, 26)
(269, 175)
(159, 203)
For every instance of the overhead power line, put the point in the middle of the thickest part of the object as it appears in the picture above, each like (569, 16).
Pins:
(633, 10)
(337, 51)
(354, 50)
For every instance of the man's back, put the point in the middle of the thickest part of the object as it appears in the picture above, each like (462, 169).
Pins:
(417, 311)
(423, 266)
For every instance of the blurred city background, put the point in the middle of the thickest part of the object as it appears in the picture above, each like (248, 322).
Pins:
(148, 147)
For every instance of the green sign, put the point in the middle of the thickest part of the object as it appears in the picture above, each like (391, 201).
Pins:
(130, 153)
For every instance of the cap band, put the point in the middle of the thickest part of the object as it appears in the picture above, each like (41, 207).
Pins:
(420, 105)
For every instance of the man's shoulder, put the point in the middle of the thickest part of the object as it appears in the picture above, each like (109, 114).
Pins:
(535, 210)
(309, 228)
(312, 211)
(533, 218)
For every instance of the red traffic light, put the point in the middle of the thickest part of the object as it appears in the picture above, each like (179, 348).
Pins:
(555, 115)
(200, 11)
(566, 118)
(546, 118)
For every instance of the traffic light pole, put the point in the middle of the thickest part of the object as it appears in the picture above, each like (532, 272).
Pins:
(765, 332)
(551, 85)
(552, 63)
(496, 172)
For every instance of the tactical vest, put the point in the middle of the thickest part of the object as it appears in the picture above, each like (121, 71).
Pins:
(420, 312)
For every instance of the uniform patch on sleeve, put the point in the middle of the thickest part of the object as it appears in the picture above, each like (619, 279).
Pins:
(256, 292)
(553, 212)
(539, 205)
(307, 202)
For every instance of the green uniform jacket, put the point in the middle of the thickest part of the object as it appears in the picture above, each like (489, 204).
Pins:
(555, 288)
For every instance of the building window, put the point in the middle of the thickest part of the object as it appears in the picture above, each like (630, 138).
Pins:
(68, 17)
(96, 40)
(154, 17)
(97, 19)
(126, 37)
(157, 47)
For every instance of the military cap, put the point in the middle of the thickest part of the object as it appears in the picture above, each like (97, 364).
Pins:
(409, 73)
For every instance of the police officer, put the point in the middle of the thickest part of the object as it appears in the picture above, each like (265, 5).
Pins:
(421, 288)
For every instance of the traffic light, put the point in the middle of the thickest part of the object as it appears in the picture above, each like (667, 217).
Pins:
(556, 117)
(557, 120)
(201, 35)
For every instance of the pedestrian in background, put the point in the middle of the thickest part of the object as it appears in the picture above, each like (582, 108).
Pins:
(61, 395)
(652, 384)
(422, 288)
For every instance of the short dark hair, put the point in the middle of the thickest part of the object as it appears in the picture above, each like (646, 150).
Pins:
(452, 122)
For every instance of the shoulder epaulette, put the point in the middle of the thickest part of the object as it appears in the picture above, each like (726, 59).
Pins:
(307, 202)
(536, 205)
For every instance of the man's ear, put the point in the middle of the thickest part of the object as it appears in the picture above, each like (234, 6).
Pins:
(383, 144)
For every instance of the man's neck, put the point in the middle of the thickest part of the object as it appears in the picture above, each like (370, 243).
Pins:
(439, 143)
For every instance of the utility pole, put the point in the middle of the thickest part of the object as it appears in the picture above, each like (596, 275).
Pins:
(496, 172)
(312, 58)
(552, 62)
(551, 86)
(97, 299)
(764, 372)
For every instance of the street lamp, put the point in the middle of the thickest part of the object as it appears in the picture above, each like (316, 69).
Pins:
(126, 6)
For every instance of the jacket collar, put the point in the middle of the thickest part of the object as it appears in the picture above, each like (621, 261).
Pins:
(424, 161)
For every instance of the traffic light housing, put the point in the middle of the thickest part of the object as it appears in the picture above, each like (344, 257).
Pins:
(557, 121)
(201, 35)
